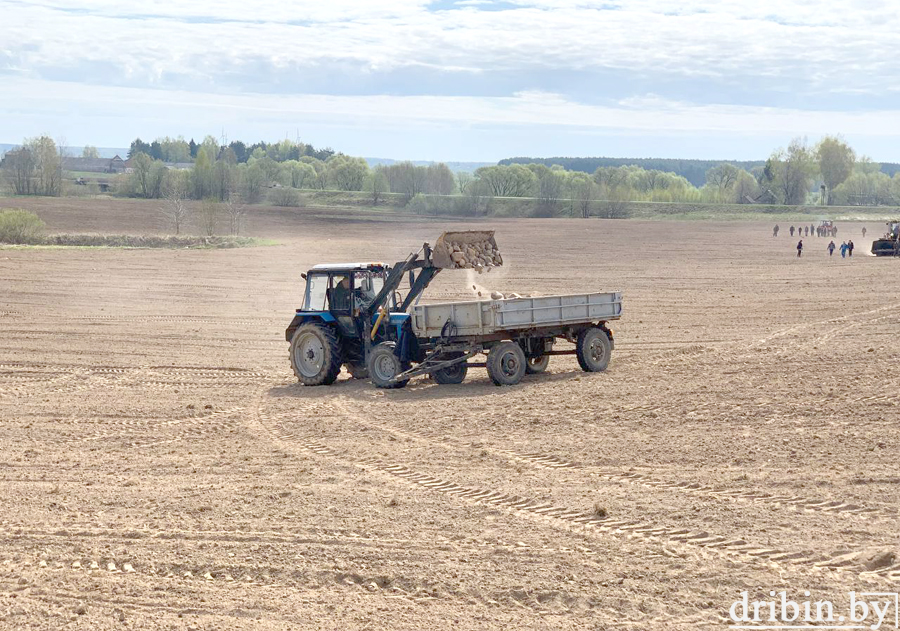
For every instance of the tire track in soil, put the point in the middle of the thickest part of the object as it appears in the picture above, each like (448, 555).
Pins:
(674, 542)
(546, 461)
(67, 383)
(187, 426)
(270, 424)
(549, 461)
(412, 590)
(69, 380)
(743, 349)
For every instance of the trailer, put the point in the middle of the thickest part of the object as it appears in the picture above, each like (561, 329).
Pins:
(354, 315)
(516, 334)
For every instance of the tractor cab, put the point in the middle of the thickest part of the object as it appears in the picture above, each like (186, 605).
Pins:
(340, 292)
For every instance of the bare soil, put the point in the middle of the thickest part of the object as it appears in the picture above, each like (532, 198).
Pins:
(162, 469)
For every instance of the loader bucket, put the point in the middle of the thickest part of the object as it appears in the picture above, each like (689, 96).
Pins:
(469, 249)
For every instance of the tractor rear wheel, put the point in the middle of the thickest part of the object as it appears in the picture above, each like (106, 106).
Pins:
(315, 354)
(384, 365)
(506, 364)
(451, 374)
(593, 349)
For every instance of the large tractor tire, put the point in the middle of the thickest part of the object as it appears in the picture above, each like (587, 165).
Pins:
(452, 374)
(593, 349)
(506, 364)
(315, 354)
(384, 365)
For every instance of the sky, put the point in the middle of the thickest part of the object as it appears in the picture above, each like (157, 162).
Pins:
(460, 80)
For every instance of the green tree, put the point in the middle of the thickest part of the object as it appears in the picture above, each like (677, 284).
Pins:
(722, 178)
(439, 179)
(202, 178)
(794, 169)
(138, 146)
(300, 174)
(548, 189)
(835, 159)
(376, 185)
(90, 152)
(514, 180)
(346, 173)
(253, 182)
(583, 191)
(745, 188)
(867, 166)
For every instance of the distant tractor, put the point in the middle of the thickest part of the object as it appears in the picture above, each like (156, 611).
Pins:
(826, 229)
(354, 315)
(889, 244)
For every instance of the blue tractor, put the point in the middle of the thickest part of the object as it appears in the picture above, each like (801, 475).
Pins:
(353, 314)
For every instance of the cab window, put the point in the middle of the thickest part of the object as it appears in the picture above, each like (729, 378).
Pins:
(339, 292)
(366, 286)
(316, 288)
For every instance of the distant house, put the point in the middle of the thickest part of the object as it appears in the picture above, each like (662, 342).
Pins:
(766, 197)
(94, 165)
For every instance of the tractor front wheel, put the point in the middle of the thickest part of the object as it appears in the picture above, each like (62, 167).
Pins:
(384, 365)
(315, 354)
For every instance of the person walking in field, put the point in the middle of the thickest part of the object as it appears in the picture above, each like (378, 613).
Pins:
(850, 247)
(831, 249)
(775, 231)
(812, 227)
(792, 231)
(799, 248)
(864, 232)
(806, 230)
(844, 250)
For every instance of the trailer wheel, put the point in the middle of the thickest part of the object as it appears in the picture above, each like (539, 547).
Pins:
(357, 370)
(537, 365)
(506, 364)
(384, 365)
(593, 349)
(451, 374)
(315, 354)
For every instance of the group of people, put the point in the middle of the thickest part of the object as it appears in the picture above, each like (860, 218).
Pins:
(846, 248)
(821, 231)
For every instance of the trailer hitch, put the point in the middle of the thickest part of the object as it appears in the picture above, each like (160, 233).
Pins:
(429, 365)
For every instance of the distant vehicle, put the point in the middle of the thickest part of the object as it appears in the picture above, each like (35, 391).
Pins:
(889, 244)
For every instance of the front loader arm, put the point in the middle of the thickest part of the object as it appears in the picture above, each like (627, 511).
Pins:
(395, 278)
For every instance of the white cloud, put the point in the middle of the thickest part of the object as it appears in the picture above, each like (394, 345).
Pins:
(522, 109)
(362, 65)
(848, 45)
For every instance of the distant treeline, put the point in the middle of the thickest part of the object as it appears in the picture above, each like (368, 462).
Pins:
(694, 171)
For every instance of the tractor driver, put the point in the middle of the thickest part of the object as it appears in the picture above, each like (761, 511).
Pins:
(340, 295)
